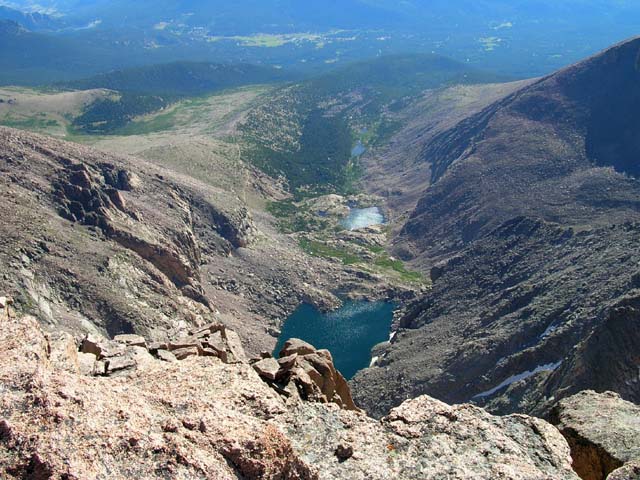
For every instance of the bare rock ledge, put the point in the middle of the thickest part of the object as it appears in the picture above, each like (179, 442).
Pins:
(603, 431)
(204, 418)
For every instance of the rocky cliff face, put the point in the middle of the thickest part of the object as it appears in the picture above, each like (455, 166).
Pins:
(531, 311)
(528, 227)
(98, 243)
(604, 434)
(203, 418)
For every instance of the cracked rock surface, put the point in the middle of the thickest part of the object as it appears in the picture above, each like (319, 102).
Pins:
(603, 431)
(202, 418)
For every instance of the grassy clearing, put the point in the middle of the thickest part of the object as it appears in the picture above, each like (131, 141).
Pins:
(265, 41)
(375, 249)
(205, 114)
(381, 263)
(274, 40)
(302, 224)
(294, 219)
(283, 209)
(43, 111)
(32, 123)
(388, 263)
(320, 249)
(158, 123)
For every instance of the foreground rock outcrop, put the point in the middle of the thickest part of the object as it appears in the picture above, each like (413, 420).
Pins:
(307, 373)
(203, 418)
(603, 431)
(99, 356)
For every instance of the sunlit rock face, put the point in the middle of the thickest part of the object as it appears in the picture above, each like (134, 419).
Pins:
(201, 417)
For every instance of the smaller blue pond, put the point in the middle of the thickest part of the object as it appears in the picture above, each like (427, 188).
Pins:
(358, 150)
(348, 333)
(363, 217)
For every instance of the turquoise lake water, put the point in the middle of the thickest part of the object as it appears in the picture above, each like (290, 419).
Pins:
(358, 150)
(363, 217)
(348, 333)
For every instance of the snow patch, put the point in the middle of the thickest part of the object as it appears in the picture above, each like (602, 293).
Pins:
(549, 367)
(550, 329)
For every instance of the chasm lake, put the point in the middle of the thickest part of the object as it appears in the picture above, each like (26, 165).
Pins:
(348, 333)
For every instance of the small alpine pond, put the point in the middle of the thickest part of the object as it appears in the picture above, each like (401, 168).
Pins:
(363, 217)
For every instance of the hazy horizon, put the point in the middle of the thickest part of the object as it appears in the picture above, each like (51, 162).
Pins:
(516, 38)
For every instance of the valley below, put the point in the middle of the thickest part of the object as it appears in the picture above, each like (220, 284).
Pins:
(298, 252)
(351, 265)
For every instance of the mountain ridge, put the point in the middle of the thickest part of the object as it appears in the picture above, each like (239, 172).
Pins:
(182, 78)
(523, 227)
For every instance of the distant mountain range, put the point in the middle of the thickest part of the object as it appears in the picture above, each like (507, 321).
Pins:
(519, 38)
(294, 16)
(226, 18)
(31, 20)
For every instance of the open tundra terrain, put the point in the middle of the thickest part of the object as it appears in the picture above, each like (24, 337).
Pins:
(43, 111)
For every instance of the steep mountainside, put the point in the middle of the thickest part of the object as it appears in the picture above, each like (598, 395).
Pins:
(570, 127)
(95, 228)
(530, 225)
(114, 245)
(397, 170)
